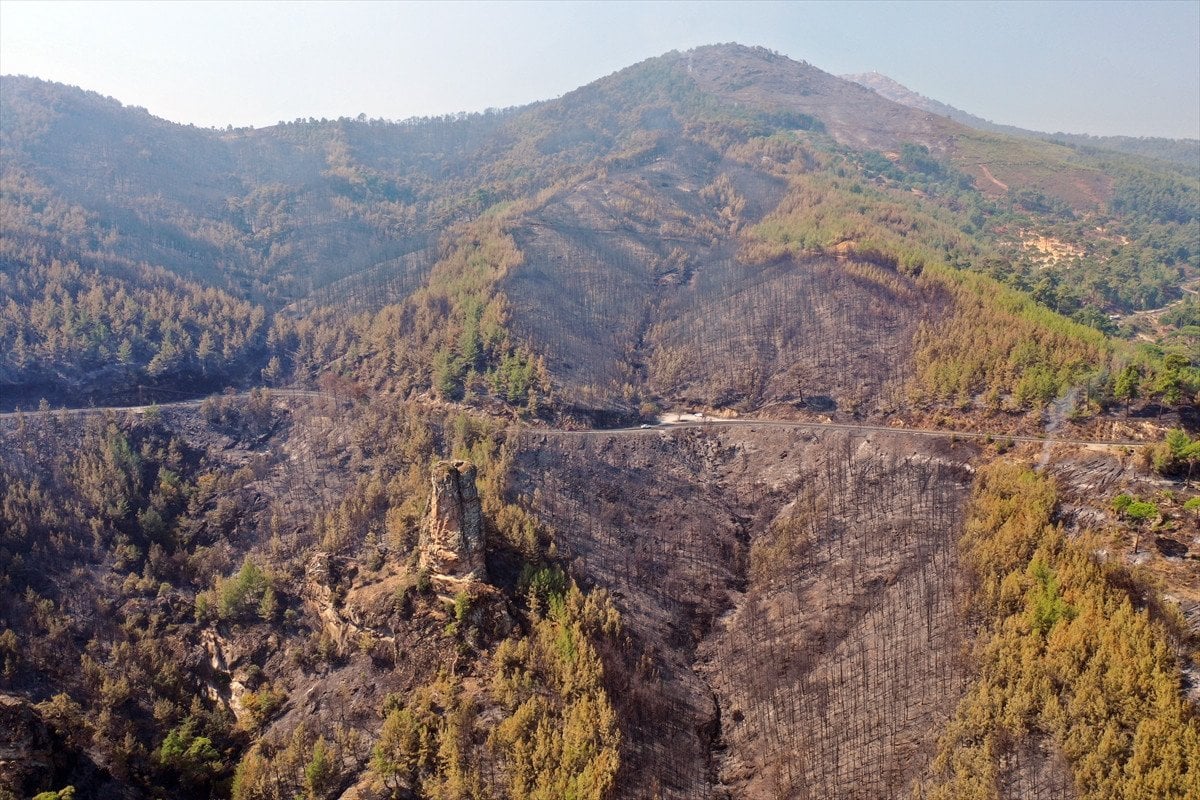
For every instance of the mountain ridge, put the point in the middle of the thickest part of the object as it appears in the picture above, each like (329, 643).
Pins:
(1179, 152)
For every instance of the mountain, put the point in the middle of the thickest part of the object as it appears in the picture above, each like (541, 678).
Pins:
(720, 429)
(361, 212)
(1183, 153)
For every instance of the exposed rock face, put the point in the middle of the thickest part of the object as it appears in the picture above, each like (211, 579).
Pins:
(451, 544)
(26, 752)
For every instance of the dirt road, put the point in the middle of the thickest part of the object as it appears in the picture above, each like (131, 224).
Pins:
(193, 403)
(850, 426)
(678, 423)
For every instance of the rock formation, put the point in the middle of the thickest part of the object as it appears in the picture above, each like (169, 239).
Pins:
(451, 544)
(24, 746)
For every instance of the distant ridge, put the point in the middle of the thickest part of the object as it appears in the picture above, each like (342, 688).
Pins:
(1180, 152)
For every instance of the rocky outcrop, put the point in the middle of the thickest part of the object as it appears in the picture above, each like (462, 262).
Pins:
(452, 542)
(36, 755)
(26, 751)
(226, 688)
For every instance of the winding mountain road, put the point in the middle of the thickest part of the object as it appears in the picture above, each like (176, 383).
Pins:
(850, 426)
(694, 422)
(142, 409)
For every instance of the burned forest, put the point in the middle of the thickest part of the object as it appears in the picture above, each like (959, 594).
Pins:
(719, 430)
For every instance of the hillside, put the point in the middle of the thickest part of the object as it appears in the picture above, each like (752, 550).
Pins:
(425, 536)
(674, 162)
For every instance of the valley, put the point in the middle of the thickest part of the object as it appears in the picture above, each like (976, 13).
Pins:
(762, 578)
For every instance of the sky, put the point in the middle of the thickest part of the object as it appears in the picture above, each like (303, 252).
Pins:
(1129, 68)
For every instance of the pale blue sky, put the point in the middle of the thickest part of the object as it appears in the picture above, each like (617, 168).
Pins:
(1093, 67)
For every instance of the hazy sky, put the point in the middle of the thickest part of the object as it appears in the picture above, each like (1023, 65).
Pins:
(1092, 67)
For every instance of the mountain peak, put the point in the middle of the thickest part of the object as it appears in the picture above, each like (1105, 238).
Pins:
(856, 116)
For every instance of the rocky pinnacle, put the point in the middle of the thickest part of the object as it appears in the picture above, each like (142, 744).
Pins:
(451, 544)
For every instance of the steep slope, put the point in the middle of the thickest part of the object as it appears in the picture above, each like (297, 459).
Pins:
(789, 597)
(661, 303)
(247, 584)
